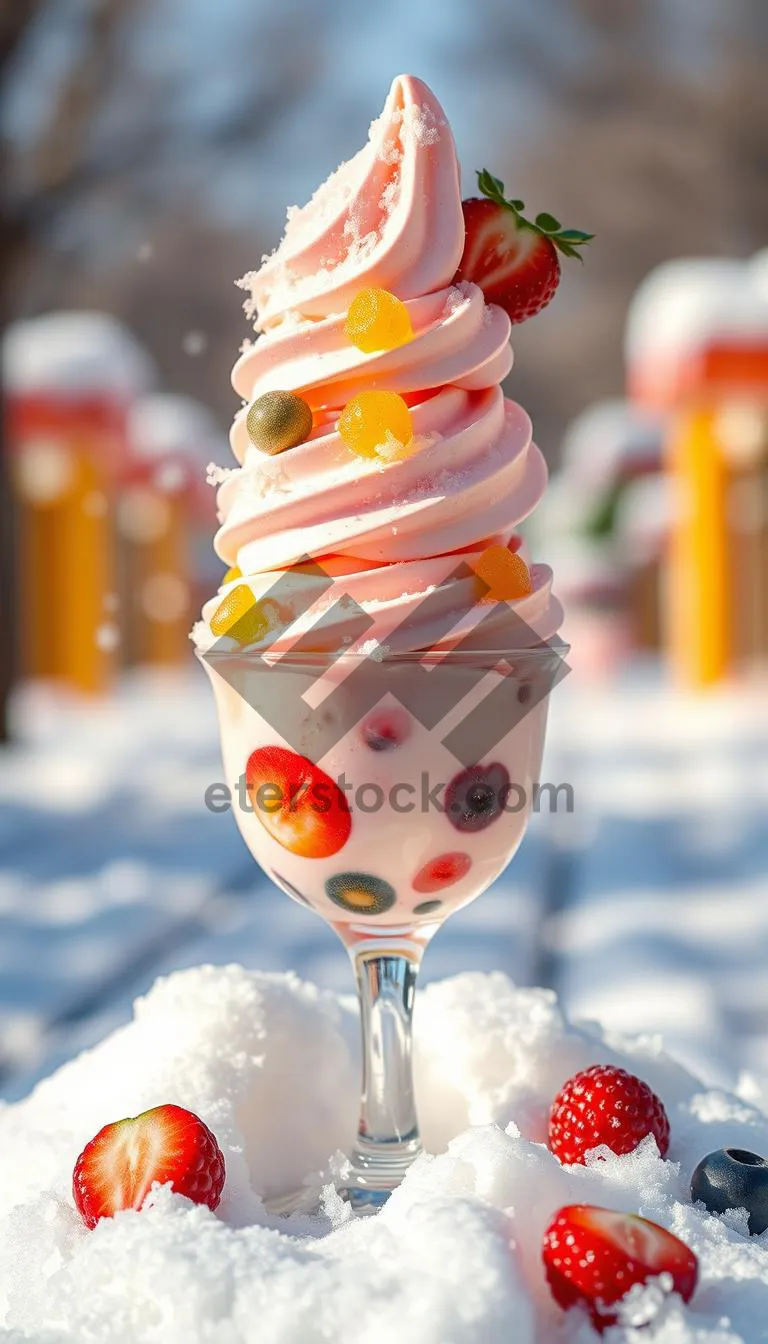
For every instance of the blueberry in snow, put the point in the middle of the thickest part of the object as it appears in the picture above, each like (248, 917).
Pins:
(733, 1178)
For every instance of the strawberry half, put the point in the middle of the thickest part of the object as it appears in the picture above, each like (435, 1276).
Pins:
(594, 1256)
(514, 260)
(168, 1144)
(297, 803)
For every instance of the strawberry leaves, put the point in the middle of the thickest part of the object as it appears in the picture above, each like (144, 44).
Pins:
(567, 241)
(493, 188)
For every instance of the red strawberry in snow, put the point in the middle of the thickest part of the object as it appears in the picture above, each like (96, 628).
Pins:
(594, 1256)
(605, 1105)
(167, 1144)
(514, 260)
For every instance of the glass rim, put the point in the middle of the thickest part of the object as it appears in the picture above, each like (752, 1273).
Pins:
(536, 653)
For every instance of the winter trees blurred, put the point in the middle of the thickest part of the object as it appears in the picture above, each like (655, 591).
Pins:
(146, 147)
(652, 136)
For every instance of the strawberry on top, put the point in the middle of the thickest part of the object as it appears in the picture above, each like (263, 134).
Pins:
(514, 260)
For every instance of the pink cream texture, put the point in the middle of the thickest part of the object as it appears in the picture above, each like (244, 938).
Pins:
(395, 537)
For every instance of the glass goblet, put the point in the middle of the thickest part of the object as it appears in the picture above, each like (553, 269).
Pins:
(384, 793)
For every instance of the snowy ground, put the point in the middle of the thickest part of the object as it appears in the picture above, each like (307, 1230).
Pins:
(454, 1257)
(662, 918)
(645, 907)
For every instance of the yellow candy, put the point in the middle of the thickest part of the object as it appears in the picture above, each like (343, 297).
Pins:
(505, 573)
(240, 616)
(231, 575)
(377, 320)
(376, 424)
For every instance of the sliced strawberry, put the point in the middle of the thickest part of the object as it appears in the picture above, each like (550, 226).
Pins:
(168, 1144)
(297, 803)
(442, 871)
(594, 1256)
(514, 260)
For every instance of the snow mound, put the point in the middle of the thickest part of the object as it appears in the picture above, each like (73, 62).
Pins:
(270, 1063)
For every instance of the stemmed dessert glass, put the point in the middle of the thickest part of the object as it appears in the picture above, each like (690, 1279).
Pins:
(384, 792)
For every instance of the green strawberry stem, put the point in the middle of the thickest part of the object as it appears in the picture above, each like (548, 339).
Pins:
(567, 241)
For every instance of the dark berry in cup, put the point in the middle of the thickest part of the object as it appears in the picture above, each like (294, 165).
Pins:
(475, 798)
(386, 729)
(427, 907)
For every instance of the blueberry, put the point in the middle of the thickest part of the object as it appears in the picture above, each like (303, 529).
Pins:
(387, 729)
(732, 1178)
(475, 797)
(379, 741)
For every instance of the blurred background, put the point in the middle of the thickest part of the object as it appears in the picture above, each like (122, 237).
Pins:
(147, 151)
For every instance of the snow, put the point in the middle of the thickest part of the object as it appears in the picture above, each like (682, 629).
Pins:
(194, 343)
(454, 1256)
(423, 124)
(664, 926)
(216, 475)
(645, 908)
(457, 297)
(74, 353)
(262, 477)
(684, 305)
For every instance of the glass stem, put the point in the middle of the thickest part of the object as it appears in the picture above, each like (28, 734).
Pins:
(388, 1131)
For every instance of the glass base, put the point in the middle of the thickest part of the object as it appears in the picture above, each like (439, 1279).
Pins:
(368, 1181)
(296, 1201)
(362, 1200)
(377, 1169)
(365, 1201)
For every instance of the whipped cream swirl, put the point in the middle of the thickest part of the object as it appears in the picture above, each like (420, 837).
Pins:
(389, 532)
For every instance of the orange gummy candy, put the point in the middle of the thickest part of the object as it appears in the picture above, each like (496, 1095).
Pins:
(505, 574)
(376, 424)
(240, 616)
(377, 320)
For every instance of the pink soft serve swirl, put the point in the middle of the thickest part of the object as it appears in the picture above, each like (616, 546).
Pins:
(388, 532)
